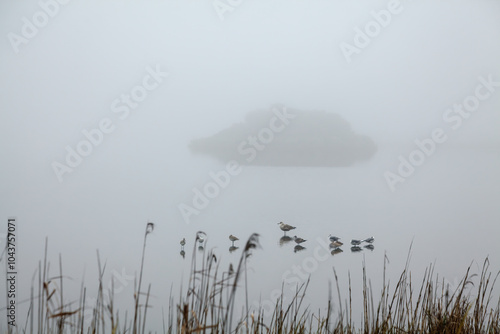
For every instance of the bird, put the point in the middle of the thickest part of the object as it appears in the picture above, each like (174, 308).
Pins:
(285, 227)
(298, 240)
(284, 240)
(333, 238)
(355, 242)
(200, 236)
(336, 244)
(233, 238)
(355, 249)
(370, 247)
(369, 240)
(183, 242)
(298, 248)
(336, 251)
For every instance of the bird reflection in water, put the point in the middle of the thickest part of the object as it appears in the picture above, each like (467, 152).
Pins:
(298, 248)
(285, 239)
(370, 247)
(183, 253)
(232, 249)
(201, 248)
(355, 249)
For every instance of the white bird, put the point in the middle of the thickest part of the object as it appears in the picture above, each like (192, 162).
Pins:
(298, 240)
(285, 227)
(200, 236)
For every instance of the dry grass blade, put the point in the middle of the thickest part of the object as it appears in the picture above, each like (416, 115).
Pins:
(209, 301)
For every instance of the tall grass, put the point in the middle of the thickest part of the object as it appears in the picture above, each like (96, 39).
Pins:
(212, 293)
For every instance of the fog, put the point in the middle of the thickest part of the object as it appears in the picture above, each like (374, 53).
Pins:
(309, 139)
(174, 112)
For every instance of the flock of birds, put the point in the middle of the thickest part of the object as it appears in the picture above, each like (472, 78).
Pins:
(335, 243)
(201, 243)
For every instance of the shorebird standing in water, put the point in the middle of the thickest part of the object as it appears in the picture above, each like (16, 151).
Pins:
(370, 240)
(298, 240)
(333, 238)
(285, 227)
(183, 242)
(233, 238)
(200, 236)
(355, 242)
(336, 244)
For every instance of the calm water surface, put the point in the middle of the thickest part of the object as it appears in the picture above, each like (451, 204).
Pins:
(447, 211)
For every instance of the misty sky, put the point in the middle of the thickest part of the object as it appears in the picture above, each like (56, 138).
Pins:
(195, 72)
(283, 136)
